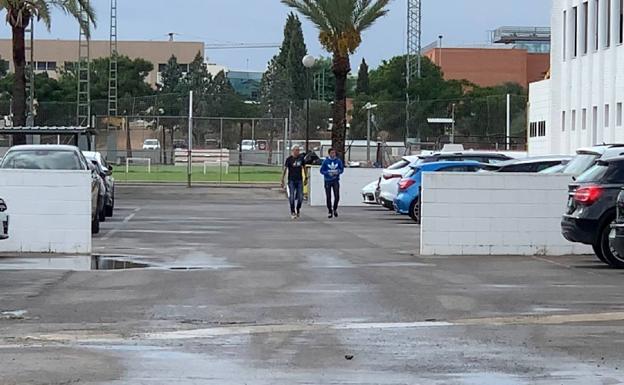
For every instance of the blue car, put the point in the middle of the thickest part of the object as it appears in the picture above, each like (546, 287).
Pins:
(408, 200)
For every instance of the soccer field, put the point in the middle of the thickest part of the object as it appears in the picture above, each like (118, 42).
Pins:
(168, 173)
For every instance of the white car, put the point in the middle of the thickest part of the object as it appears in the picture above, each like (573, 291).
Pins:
(368, 193)
(4, 220)
(388, 185)
(151, 144)
(249, 145)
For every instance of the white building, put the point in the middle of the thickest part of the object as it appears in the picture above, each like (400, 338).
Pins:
(581, 104)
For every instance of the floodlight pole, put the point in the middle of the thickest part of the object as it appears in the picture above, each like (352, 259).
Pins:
(190, 141)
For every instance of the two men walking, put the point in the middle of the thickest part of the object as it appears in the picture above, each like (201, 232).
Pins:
(331, 169)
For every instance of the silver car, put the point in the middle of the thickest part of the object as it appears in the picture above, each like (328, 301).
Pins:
(57, 157)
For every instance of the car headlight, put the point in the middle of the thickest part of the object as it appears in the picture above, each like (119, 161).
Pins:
(3, 206)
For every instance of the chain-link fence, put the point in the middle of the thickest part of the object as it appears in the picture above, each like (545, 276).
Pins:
(149, 139)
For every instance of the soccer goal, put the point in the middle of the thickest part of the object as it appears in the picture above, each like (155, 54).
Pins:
(147, 161)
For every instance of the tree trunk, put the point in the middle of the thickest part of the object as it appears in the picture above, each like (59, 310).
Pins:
(19, 86)
(341, 68)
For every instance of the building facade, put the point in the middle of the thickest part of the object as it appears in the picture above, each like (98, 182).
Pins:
(585, 93)
(52, 55)
(490, 65)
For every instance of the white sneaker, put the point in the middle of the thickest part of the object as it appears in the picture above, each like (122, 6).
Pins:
(293, 216)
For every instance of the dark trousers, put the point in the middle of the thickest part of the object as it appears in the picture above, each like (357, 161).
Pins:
(295, 188)
(334, 187)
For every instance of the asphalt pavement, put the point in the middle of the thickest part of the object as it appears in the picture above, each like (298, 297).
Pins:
(220, 286)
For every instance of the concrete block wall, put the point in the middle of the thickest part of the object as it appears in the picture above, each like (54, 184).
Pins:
(494, 214)
(50, 211)
(351, 184)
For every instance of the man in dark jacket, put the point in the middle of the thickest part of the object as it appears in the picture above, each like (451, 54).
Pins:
(295, 167)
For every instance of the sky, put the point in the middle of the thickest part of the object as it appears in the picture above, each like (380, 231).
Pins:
(461, 22)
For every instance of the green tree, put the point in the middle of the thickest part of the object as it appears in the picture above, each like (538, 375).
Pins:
(362, 79)
(340, 24)
(290, 58)
(172, 76)
(20, 13)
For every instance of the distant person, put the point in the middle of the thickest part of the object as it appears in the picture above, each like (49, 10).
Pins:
(331, 169)
(295, 167)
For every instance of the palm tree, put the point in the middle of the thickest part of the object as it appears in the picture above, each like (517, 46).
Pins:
(20, 13)
(340, 24)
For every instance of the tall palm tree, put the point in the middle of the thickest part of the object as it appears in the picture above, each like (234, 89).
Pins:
(340, 24)
(19, 14)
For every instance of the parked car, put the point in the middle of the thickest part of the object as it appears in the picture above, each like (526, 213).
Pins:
(587, 157)
(368, 193)
(248, 145)
(151, 144)
(529, 165)
(616, 236)
(591, 208)
(181, 144)
(106, 173)
(407, 201)
(4, 220)
(57, 157)
(389, 185)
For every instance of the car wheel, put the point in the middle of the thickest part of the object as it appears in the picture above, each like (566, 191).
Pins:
(102, 214)
(611, 255)
(95, 225)
(598, 251)
(414, 211)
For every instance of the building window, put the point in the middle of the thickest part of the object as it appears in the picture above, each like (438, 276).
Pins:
(162, 67)
(608, 24)
(565, 35)
(586, 26)
(532, 130)
(594, 132)
(542, 128)
(69, 66)
(584, 119)
(607, 116)
(41, 66)
(596, 23)
(575, 31)
(537, 129)
(621, 21)
(573, 122)
(563, 121)
(51, 66)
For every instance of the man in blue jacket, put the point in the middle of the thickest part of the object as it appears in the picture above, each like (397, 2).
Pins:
(331, 169)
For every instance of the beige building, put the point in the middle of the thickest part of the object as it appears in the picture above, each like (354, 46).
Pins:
(52, 55)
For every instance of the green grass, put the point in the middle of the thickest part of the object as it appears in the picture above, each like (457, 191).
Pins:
(167, 173)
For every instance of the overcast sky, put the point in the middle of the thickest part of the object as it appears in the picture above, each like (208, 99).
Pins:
(261, 21)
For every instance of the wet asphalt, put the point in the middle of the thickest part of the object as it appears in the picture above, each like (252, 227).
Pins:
(226, 289)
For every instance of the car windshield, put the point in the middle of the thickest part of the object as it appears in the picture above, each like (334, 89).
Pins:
(399, 165)
(42, 160)
(594, 174)
(151, 141)
(554, 169)
(580, 164)
(247, 142)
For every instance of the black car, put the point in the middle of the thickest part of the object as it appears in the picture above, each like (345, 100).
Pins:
(530, 165)
(591, 208)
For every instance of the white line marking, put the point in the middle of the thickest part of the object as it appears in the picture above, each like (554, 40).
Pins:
(123, 223)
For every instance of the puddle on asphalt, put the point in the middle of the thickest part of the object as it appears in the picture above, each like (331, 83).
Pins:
(86, 263)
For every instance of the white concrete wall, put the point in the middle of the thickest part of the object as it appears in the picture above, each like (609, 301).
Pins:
(351, 184)
(50, 211)
(495, 214)
(585, 81)
(539, 110)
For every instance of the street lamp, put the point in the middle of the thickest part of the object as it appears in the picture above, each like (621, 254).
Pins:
(369, 107)
(440, 49)
(308, 62)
